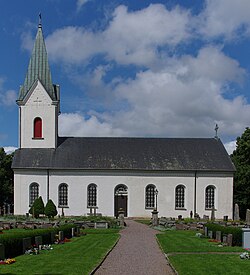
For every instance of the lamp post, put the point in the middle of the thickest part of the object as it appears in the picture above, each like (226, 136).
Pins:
(156, 196)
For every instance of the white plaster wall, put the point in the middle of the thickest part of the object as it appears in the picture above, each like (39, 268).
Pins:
(223, 195)
(39, 104)
(22, 181)
(106, 182)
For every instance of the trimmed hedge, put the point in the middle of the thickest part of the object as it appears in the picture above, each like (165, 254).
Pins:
(225, 230)
(13, 243)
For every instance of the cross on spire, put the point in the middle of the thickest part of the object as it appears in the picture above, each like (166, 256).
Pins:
(216, 130)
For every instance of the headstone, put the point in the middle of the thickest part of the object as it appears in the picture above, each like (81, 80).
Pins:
(60, 236)
(121, 217)
(191, 214)
(179, 217)
(218, 236)
(205, 231)
(155, 220)
(246, 238)
(236, 212)
(73, 232)
(224, 239)
(26, 244)
(248, 217)
(206, 217)
(52, 237)
(38, 240)
(77, 231)
(229, 239)
(2, 252)
(210, 234)
(213, 214)
(101, 225)
(225, 218)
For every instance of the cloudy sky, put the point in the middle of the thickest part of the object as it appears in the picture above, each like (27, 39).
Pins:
(133, 68)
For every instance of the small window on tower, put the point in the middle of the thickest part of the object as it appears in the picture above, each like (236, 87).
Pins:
(37, 127)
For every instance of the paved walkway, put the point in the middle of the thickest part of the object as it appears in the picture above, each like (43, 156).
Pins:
(137, 252)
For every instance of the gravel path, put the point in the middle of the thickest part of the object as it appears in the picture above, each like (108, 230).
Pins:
(137, 252)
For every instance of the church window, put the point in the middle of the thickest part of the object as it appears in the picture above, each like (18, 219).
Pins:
(210, 194)
(34, 192)
(179, 196)
(150, 196)
(37, 127)
(63, 195)
(92, 195)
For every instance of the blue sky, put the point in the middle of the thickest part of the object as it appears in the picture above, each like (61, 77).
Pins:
(133, 68)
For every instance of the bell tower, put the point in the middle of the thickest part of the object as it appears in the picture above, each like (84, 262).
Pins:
(38, 101)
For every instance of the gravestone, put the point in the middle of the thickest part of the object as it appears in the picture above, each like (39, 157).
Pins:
(224, 239)
(2, 252)
(101, 224)
(121, 217)
(210, 234)
(225, 218)
(77, 231)
(236, 212)
(26, 244)
(38, 240)
(229, 239)
(73, 232)
(218, 236)
(205, 231)
(206, 217)
(60, 236)
(213, 214)
(248, 217)
(246, 238)
(52, 237)
(155, 220)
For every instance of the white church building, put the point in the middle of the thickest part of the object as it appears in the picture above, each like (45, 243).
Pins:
(103, 174)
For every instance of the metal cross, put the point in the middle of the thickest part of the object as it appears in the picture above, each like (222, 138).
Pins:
(216, 130)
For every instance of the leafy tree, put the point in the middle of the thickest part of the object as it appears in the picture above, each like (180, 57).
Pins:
(50, 209)
(6, 178)
(241, 160)
(37, 208)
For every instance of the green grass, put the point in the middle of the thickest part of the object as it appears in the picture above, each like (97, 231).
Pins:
(187, 264)
(186, 241)
(79, 256)
(210, 264)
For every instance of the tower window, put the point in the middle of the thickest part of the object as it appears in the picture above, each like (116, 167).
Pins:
(37, 127)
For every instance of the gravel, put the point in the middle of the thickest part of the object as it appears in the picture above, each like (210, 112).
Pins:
(137, 252)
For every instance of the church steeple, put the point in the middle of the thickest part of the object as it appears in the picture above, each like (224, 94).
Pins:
(39, 69)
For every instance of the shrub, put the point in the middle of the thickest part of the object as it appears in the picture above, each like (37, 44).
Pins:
(225, 230)
(37, 208)
(50, 209)
(13, 243)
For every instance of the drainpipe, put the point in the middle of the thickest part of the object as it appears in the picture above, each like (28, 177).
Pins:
(47, 185)
(195, 178)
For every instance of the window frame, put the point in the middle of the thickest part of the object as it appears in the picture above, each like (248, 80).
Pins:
(92, 195)
(180, 188)
(207, 203)
(150, 196)
(63, 195)
(34, 194)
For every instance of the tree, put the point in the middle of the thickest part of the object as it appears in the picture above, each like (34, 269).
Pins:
(6, 178)
(50, 209)
(37, 208)
(241, 160)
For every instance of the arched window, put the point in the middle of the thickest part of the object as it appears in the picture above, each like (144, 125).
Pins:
(180, 196)
(34, 192)
(37, 127)
(210, 195)
(63, 195)
(92, 195)
(150, 196)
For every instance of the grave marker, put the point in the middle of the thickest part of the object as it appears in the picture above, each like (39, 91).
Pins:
(248, 217)
(218, 236)
(38, 240)
(2, 252)
(229, 239)
(26, 244)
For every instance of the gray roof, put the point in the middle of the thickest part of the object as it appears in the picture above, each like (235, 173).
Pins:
(157, 154)
(39, 69)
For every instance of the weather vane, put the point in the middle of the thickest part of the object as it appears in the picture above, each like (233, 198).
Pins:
(216, 130)
(40, 19)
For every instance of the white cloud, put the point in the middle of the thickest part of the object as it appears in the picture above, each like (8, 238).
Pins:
(230, 146)
(7, 98)
(130, 38)
(9, 149)
(80, 4)
(225, 18)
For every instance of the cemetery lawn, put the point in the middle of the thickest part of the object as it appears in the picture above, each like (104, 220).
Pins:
(79, 256)
(201, 257)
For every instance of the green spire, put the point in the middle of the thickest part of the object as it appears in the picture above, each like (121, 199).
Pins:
(38, 68)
